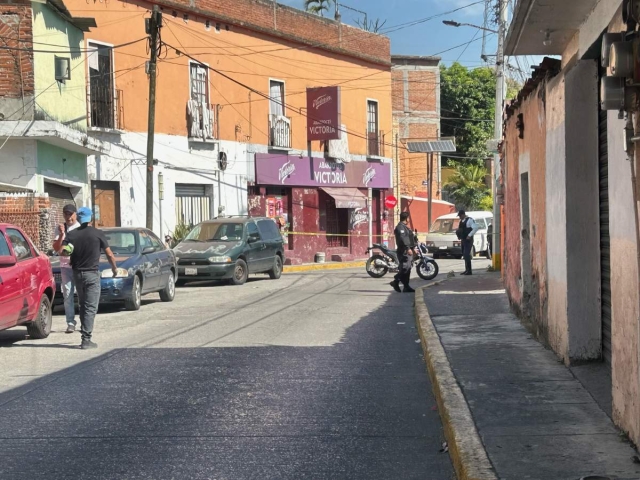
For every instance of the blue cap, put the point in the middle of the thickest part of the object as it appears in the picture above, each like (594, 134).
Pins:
(84, 215)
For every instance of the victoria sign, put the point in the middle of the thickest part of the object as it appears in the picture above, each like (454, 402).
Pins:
(323, 113)
(318, 172)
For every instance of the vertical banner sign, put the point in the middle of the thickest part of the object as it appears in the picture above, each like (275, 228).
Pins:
(323, 113)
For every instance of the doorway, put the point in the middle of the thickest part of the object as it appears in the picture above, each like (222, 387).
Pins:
(105, 198)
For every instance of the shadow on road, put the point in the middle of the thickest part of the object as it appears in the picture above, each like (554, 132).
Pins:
(359, 409)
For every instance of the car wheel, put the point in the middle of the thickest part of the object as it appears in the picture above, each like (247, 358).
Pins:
(169, 291)
(135, 297)
(240, 273)
(41, 325)
(276, 272)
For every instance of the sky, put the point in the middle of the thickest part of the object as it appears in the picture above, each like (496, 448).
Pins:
(428, 38)
(432, 37)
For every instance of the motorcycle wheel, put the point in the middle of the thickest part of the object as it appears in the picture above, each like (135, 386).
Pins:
(427, 270)
(374, 270)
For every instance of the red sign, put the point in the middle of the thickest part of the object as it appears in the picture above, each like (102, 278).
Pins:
(323, 113)
(390, 201)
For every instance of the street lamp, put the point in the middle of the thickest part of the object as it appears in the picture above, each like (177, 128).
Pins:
(452, 23)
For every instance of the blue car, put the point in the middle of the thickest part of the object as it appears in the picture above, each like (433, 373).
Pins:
(145, 266)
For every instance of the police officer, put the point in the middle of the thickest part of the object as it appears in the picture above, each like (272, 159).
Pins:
(405, 243)
(465, 232)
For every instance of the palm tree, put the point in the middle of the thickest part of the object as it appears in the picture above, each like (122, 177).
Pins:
(317, 6)
(467, 186)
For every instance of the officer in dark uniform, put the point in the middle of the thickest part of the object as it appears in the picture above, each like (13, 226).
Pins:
(405, 243)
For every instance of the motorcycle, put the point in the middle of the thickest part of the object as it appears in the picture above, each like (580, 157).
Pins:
(386, 261)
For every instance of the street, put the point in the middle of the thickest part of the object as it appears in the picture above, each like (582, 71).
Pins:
(317, 375)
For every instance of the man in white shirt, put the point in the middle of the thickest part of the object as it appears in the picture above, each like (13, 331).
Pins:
(66, 272)
(467, 229)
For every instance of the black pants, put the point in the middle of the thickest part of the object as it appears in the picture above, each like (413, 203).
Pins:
(404, 272)
(467, 250)
(88, 287)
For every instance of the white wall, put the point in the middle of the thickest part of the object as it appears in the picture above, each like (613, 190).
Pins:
(180, 162)
(19, 164)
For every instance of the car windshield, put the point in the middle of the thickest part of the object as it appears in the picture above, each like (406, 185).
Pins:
(445, 225)
(220, 232)
(121, 243)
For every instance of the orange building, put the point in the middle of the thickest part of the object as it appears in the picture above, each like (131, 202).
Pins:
(231, 91)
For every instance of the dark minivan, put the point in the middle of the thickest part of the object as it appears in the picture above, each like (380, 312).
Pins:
(230, 249)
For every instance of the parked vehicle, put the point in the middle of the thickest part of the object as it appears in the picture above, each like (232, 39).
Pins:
(27, 286)
(145, 265)
(230, 249)
(379, 264)
(442, 240)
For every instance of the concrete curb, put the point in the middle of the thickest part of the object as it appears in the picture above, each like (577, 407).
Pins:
(468, 454)
(322, 266)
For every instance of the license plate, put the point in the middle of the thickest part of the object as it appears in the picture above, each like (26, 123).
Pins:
(191, 271)
(443, 248)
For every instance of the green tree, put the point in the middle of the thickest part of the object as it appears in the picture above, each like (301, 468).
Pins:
(467, 186)
(468, 107)
(317, 6)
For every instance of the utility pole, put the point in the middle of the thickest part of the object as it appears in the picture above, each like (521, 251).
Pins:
(153, 26)
(500, 94)
(430, 175)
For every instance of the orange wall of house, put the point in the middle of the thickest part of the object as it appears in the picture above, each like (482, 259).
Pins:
(243, 117)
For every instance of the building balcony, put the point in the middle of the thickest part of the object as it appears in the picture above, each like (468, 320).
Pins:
(202, 121)
(279, 131)
(375, 144)
(105, 108)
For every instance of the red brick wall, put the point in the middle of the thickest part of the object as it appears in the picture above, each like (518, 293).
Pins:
(422, 91)
(16, 67)
(29, 212)
(293, 24)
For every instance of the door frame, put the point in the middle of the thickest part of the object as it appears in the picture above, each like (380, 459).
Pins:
(104, 185)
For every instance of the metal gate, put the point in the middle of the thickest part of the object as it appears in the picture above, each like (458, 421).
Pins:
(605, 244)
(59, 196)
(193, 205)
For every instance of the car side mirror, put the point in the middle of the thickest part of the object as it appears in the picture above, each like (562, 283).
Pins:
(253, 237)
(148, 250)
(7, 261)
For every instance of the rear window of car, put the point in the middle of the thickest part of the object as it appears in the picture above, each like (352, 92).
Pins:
(4, 247)
(269, 230)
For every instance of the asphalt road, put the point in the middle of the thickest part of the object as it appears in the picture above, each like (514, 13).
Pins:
(316, 375)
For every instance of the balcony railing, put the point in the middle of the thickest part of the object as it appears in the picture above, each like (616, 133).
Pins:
(201, 121)
(375, 144)
(279, 131)
(106, 108)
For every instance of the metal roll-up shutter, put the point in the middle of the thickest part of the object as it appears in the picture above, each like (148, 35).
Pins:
(59, 196)
(605, 243)
(190, 190)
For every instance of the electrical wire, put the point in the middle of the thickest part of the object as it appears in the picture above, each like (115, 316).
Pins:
(73, 50)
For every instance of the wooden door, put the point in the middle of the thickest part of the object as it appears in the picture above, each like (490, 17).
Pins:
(106, 204)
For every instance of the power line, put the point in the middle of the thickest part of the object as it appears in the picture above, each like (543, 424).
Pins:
(70, 50)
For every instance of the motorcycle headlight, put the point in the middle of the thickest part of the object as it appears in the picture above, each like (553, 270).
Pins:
(121, 273)
(224, 259)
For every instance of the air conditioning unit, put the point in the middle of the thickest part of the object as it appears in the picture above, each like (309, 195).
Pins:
(62, 69)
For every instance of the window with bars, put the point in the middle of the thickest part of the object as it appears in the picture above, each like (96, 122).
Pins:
(372, 128)
(199, 83)
(337, 223)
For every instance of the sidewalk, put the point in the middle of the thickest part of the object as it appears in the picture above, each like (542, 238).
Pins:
(534, 418)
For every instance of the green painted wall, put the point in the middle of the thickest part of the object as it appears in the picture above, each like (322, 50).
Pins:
(65, 102)
(50, 163)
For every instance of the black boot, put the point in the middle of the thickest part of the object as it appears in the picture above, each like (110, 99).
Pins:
(408, 289)
(396, 285)
(87, 344)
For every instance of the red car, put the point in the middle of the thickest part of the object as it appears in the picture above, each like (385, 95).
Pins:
(26, 283)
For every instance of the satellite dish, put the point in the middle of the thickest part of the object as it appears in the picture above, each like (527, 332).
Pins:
(222, 161)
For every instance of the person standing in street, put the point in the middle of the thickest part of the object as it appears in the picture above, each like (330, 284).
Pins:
(67, 284)
(405, 243)
(465, 232)
(85, 244)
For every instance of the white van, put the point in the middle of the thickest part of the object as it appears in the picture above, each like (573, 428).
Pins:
(442, 239)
